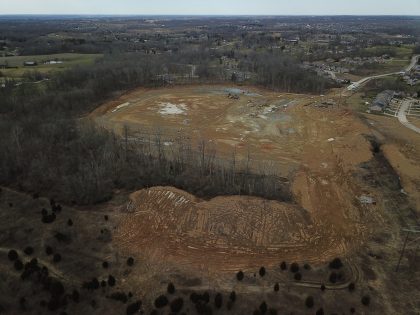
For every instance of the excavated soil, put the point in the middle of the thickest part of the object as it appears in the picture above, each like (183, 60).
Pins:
(320, 149)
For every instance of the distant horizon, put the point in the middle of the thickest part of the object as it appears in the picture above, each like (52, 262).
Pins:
(207, 15)
(212, 8)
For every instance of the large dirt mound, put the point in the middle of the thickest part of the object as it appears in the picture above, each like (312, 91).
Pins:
(319, 149)
(224, 232)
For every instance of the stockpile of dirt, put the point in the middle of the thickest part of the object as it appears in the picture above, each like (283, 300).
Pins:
(224, 233)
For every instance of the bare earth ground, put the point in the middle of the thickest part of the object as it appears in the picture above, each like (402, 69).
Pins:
(322, 146)
(402, 149)
(200, 244)
(272, 126)
(414, 120)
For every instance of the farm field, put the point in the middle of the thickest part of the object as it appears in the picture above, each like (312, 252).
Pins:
(68, 60)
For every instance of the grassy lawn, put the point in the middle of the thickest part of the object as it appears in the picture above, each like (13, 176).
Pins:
(69, 60)
(395, 65)
(390, 66)
(403, 52)
(357, 102)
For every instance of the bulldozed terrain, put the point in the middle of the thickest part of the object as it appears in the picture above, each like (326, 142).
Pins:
(353, 182)
(345, 192)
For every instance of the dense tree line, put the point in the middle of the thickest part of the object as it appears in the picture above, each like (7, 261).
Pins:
(282, 72)
(45, 147)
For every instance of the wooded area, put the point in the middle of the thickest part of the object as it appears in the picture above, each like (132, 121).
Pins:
(46, 148)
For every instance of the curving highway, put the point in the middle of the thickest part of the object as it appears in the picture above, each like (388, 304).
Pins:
(402, 116)
(356, 85)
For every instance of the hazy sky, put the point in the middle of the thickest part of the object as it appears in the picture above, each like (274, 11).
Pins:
(210, 7)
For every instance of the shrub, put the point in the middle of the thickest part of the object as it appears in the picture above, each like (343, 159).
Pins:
(333, 277)
(48, 218)
(262, 272)
(12, 255)
(61, 237)
(307, 267)
(206, 297)
(119, 296)
(263, 308)
(366, 300)
(75, 296)
(194, 297)
(111, 281)
(53, 304)
(48, 250)
(130, 261)
(91, 285)
(336, 263)
(105, 265)
(171, 288)
(218, 300)
(203, 309)
(18, 264)
(28, 250)
(56, 288)
(320, 311)
(133, 308)
(323, 287)
(309, 302)
(57, 257)
(294, 267)
(232, 296)
(22, 303)
(352, 310)
(240, 275)
(106, 217)
(70, 222)
(161, 301)
(176, 305)
(103, 283)
(30, 268)
(276, 287)
(298, 276)
(56, 208)
(229, 305)
(283, 265)
(352, 287)
(272, 311)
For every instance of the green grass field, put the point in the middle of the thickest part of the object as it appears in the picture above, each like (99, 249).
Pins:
(403, 52)
(69, 60)
(395, 65)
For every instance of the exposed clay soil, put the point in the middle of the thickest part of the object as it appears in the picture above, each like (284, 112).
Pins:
(322, 147)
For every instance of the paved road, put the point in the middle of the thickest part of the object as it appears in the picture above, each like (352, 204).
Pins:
(356, 85)
(413, 63)
(402, 116)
